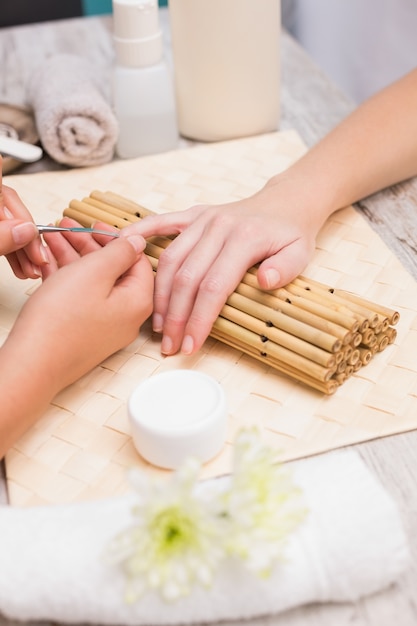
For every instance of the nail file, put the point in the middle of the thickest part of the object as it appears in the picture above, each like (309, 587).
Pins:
(20, 150)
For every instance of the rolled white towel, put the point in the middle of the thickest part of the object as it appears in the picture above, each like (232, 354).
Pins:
(75, 123)
(351, 544)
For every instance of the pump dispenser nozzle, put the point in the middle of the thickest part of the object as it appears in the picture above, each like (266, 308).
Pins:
(136, 32)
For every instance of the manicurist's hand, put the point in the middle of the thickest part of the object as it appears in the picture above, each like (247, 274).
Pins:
(19, 238)
(79, 316)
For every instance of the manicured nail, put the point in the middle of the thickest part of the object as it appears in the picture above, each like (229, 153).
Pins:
(157, 323)
(24, 233)
(187, 345)
(137, 242)
(37, 271)
(166, 345)
(272, 277)
(44, 253)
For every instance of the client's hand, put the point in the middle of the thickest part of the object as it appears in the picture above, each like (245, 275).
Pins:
(215, 246)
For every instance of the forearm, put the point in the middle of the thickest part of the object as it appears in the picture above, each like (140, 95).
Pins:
(373, 148)
(26, 389)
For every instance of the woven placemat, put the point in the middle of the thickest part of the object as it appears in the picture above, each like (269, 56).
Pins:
(82, 447)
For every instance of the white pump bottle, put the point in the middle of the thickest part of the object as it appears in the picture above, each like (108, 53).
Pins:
(143, 91)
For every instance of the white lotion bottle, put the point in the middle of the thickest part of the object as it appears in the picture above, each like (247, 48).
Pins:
(143, 90)
(226, 57)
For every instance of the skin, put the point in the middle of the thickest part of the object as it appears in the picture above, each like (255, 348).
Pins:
(73, 321)
(19, 238)
(373, 148)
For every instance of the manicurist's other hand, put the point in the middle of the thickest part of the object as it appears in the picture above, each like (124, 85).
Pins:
(80, 315)
(19, 237)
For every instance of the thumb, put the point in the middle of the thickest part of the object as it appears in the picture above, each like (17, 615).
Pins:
(15, 234)
(281, 268)
(118, 255)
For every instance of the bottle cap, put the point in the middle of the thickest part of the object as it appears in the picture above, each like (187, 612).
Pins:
(136, 32)
(178, 414)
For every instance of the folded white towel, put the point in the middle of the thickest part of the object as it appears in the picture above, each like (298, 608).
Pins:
(351, 544)
(75, 123)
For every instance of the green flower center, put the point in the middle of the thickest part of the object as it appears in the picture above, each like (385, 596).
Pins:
(173, 531)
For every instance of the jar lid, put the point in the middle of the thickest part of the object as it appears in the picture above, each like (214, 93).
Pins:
(178, 414)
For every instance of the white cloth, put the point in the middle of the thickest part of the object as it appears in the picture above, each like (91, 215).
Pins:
(75, 123)
(351, 544)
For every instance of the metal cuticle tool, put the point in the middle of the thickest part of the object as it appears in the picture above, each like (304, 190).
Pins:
(75, 229)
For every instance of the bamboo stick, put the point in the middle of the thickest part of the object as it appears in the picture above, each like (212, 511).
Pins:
(362, 307)
(120, 202)
(102, 206)
(337, 317)
(245, 337)
(358, 366)
(383, 342)
(323, 295)
(392, 316)
(267, 299)
(392, 334)
(276, 335)
(365, 355)
(327, 387)
(282, 321)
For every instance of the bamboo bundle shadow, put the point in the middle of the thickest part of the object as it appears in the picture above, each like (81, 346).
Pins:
(308, 331)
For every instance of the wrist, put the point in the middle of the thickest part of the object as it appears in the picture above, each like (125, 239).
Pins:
(306, 198)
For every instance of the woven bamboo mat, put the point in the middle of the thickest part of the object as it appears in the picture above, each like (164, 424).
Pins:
(82, 447)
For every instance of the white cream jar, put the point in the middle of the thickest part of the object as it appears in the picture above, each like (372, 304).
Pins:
(178, 414)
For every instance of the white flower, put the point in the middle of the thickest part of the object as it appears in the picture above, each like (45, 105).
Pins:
(181, 534)
(175, 540)
(263, 504)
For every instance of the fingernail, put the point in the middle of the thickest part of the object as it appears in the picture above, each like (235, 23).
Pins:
(166, 345)
(44, 253)
(24, 233)
(7, 213)
(37, 270)
(272, 277)
(157, 323)
(137, 242)
(187, 345)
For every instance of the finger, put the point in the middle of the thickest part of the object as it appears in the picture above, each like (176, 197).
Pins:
(13, 209)
(68, 247)
(214, 289)
(15, 235)
(61, 249)
(206, 278)
(28, 269)
(15, 265)
(103, 240)
(49, 268)
(115, 259)
(166, 224)
(17, 243)
(281, 268)
(12, 206)
(180, 267)
(137, 283)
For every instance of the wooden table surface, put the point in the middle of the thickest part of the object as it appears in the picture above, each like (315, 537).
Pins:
(312, 105)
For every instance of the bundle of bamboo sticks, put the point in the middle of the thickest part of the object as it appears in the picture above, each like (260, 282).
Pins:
(313, 333)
